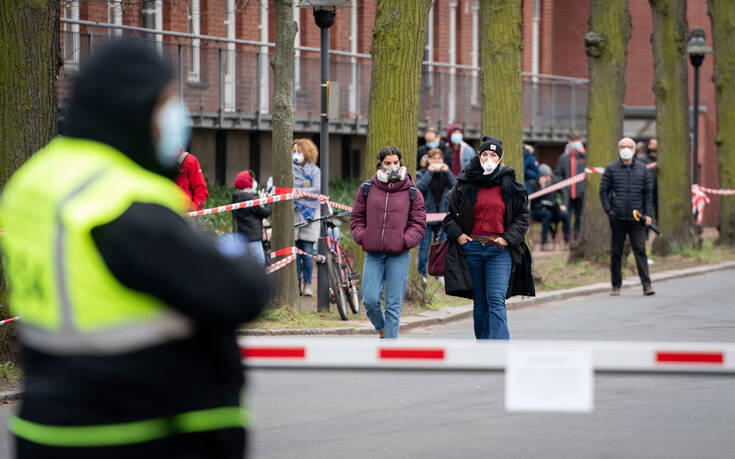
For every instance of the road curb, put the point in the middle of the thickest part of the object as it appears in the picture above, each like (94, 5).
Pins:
(451, 314)
(11, 395)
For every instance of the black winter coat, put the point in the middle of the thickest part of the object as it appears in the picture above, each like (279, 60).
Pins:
(461, 219)
(625, 187)
(249, 221)
(564, 171)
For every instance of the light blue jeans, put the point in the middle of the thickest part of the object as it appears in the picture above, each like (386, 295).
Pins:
(391, 271)
(490, 267)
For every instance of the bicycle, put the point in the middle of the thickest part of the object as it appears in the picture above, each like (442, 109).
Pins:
(341, 274)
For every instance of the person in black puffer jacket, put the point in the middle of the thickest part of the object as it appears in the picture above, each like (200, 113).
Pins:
(249, 221)
(626, 186)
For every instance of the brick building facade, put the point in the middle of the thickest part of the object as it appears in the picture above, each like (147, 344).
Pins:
(229, 87)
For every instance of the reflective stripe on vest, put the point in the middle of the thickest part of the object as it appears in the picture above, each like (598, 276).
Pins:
(130, 432)
(70, 302)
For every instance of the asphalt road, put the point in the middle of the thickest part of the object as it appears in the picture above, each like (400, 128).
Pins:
(368, 414)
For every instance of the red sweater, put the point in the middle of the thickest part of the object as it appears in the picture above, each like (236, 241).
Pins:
(191, 180)
(489, 212)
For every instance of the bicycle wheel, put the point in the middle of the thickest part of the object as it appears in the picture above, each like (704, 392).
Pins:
(336, 291)
(351, 288)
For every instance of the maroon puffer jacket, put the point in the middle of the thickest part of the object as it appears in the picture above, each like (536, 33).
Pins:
(387, 221)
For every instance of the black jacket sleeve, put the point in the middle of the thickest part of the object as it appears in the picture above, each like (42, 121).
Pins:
(152, 249)
(605, 184)
(515, 232)
(451, 221)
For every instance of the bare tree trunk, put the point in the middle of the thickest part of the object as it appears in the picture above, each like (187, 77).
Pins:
(501, 54)
(399, 36)
(606, 45)
(672, 124)
(721, 13)
(286, 294)
(29, 63)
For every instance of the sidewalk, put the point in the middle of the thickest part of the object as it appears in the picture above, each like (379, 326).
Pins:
(449, 314)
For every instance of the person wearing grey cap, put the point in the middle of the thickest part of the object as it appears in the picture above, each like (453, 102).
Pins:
(547, 209)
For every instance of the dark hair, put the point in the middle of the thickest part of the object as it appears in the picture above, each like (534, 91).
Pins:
(433, 130)
(387, 151)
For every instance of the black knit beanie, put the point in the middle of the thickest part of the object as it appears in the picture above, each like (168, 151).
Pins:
(113, 97)
(492, 144)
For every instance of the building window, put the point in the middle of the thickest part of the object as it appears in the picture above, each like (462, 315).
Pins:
(195, 29)
(114, 14)
(230, 59)
(72, 47)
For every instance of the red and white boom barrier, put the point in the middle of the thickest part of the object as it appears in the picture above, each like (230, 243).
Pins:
(452, 354)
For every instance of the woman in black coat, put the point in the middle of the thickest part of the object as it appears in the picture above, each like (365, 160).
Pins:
(488, 259)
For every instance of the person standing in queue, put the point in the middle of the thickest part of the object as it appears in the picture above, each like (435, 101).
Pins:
(248, 222)
(308, 178)
(191, 180)
(626, 186)
(388, 220)
(434, 182)
(488, 221)
(128, 336)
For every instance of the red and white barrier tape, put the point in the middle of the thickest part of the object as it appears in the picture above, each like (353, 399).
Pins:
(241, 205)
(280, 264)
(7, 321)
(295, 251)
(407, 354)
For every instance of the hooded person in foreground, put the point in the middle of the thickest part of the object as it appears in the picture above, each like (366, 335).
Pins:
(128, 334)
(487, 259)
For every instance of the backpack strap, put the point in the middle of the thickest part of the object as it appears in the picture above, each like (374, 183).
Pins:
(366, 185)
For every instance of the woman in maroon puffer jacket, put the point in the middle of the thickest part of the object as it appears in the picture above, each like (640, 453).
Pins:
(388, 220)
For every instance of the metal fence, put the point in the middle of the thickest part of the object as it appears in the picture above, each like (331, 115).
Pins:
(230, 85)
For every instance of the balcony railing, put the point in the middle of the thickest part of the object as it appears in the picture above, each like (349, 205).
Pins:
(233, 89)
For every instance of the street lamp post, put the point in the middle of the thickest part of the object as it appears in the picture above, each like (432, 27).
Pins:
(696, 48)
(324, 12)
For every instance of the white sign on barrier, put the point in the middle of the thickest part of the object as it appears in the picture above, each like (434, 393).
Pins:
(549, 381)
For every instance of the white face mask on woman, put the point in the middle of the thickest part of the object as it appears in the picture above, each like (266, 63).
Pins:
(489, 166)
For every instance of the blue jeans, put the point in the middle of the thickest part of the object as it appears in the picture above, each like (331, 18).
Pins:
(490, 267)
(391, 271)
(433, 230)
(304, 264)
(256, 250)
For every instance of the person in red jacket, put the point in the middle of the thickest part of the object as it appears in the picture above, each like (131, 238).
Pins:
(191, 180)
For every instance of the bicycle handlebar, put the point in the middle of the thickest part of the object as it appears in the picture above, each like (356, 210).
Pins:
(326, 217)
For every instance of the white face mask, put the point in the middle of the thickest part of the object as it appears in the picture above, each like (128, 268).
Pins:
(298, 157)
(626, 153)
(489, 166)
(174, 131)
(456, 138)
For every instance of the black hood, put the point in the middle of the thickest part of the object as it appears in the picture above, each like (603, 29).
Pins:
(474, 173)
(113, 97)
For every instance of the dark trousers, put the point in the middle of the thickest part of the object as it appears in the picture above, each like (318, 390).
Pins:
(637, 234)
(546, 217)
(575, 209)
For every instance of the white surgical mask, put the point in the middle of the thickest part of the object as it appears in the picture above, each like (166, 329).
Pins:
(626, 153)
(432, 144)
(577, 145)
(489, 166)
(174, 131)
(298, 157)
(456, 138)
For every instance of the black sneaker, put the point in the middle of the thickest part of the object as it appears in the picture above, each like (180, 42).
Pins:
(648, 291)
